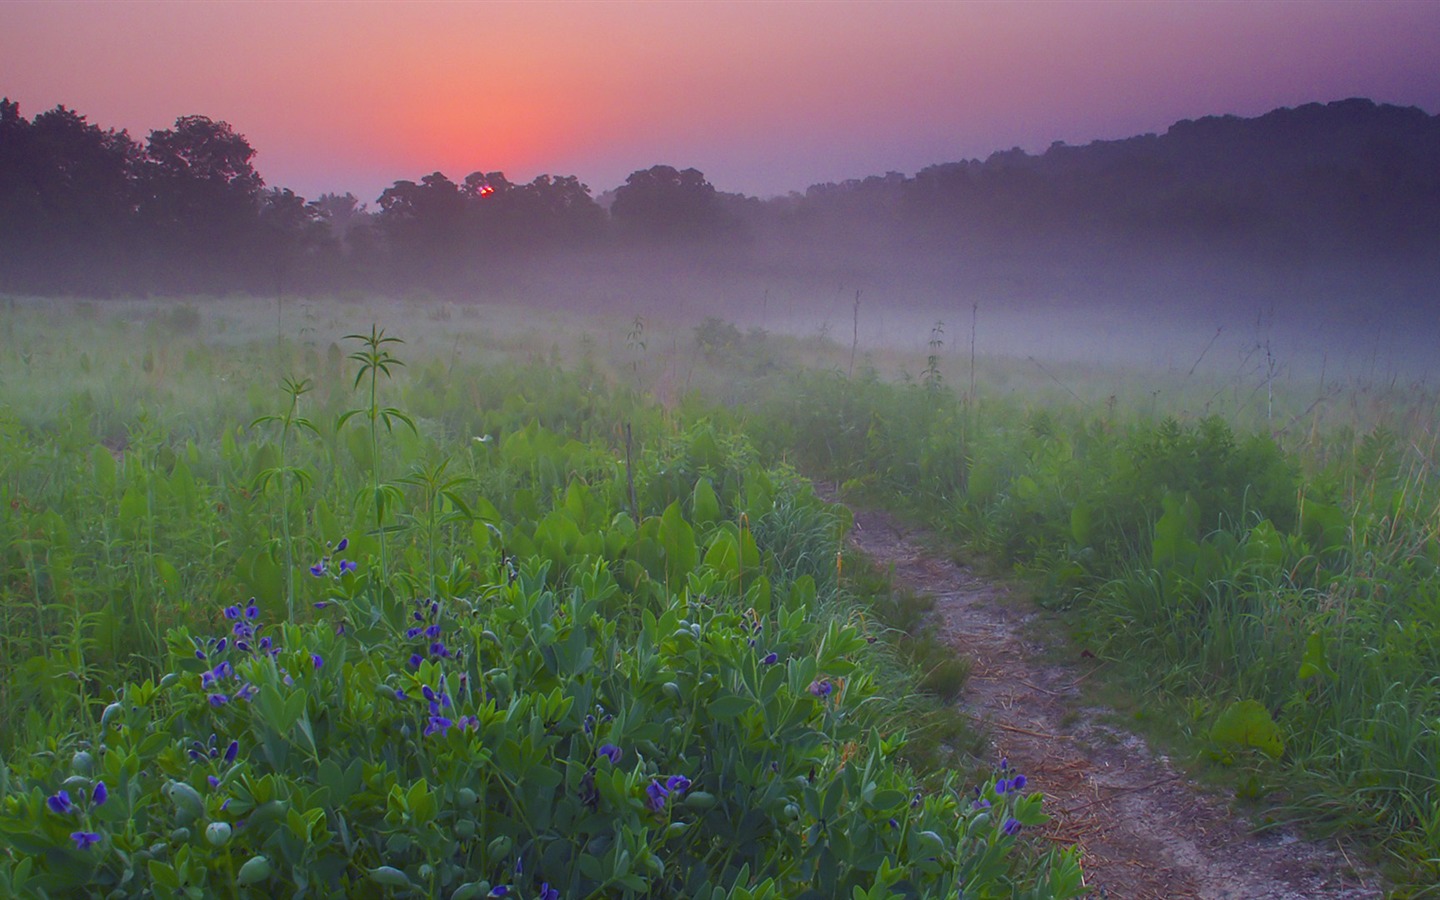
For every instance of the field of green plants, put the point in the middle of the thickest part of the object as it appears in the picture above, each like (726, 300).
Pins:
(1268, 583)
(481, 604)
(291, 604)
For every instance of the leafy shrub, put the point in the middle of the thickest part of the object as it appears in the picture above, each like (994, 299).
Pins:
(516, 743)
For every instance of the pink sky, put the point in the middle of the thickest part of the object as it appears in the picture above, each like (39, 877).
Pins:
(763, 97)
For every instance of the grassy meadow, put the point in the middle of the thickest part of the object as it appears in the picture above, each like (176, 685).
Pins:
(539, 605)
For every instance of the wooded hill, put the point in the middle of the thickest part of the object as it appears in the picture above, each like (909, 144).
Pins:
(1322, 197)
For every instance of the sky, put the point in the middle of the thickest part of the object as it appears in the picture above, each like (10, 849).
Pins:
(763, 97)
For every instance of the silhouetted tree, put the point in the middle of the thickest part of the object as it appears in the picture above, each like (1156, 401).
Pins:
(200, 203)
(66, 199)
(422, 222)
(662, 202)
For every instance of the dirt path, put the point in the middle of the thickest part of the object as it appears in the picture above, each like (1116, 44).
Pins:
(1144, 829)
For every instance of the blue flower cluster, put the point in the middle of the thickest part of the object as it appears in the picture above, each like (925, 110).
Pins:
(245, 639)
(61, 804)
(342, 566)
(440, 720)
(656, 793)
(1009, 783)
(426, 634)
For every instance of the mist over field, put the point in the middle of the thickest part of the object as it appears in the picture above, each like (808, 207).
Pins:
(1311, 233)
(545, 538)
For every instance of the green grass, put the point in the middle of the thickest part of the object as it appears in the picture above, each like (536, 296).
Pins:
(168, 469)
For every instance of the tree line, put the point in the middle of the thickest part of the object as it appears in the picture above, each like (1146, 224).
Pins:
(93, 211)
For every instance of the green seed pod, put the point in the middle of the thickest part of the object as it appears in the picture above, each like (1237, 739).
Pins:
(465, 798)
(76, 783)
(492, 637)
(169, 679)
(389, 876)
(792, 811)
(499, 848)
(188, 804)
(256, 869)
(426, 872)
(671, 689)
(699, 800)
(111, 713)
(82, 763)
(465, 828)
(471, 890)
(217, 833)
(180, 836)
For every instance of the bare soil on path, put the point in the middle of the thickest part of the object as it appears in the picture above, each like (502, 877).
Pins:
(1144, 829)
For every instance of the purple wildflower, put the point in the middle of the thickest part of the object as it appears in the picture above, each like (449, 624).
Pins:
(340, 547)
(347, 566)
(438, 723)
(232, 751)
(232, 612)
(1017, 783)
(60, 803)
(318, 569)
(678, 784)
(1011, 826)
(655, 794)
(415, 660)
(217, 700)
(102, 793)
(245, 692)
(771, 658)
(317, 659)
(251, 609)
(433, 631)
(84, 840)
(611, 752)
(1002, 786)
(213, 781)
(547, 892)
(414, 632)
(821, 687)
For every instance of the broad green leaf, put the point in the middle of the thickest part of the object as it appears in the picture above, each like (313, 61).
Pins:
(1248, 724)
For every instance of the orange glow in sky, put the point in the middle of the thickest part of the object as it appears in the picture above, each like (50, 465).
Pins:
(764, 97)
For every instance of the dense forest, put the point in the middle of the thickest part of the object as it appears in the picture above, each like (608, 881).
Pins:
(1350, 189)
